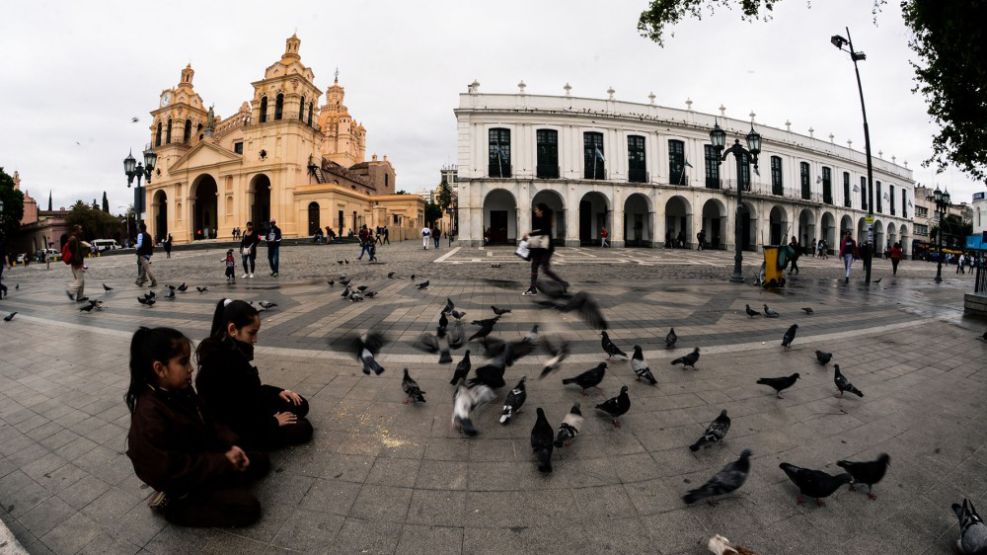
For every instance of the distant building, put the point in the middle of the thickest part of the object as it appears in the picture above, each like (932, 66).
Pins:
(39, 228)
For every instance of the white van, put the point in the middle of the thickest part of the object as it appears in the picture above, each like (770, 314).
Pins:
(102, 245)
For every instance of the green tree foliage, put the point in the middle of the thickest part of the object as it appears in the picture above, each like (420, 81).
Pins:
(950, 70)
(433, 213)
(95, 223)
(106, 203)
(13, 206)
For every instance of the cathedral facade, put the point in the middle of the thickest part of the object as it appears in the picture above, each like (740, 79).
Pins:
(290, 154)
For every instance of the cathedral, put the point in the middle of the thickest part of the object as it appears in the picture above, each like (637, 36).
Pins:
(289, 154)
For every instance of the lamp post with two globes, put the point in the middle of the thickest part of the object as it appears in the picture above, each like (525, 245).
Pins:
(719, 137)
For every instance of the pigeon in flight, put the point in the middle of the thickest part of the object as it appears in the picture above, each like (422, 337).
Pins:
(515, 399)
(449, 307)
(464, 401)
(780, 384)
(582, 303)
(814, 483)
(107, 287)
(770, 313)
(727, 480)
(486, 327)
(751, 312)
(423, 284)
(973, 531)
(688, 360)
(500, 311)
(671, 339)
(542, 442)
(807, 309)
(201, 289)
(844, 384)
(411, 389)
(869, 473)
(183, 288)
(9, 317)
(714, 433)
(786, 340)
(589, 378)
(559, 351)
(438, 343)
(640, 367)
(462, 369)
(609, 347)
(569, 427)
(457, 314)
(616, 406)
(824, 357)
(366, 347)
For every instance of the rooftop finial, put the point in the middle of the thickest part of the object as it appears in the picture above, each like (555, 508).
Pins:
(335, 77)
(723, 111)
(521, 86)
(651, 97)
(568, 88)
(788, 126)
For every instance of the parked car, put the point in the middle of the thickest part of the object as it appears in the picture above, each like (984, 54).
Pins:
(103, 245)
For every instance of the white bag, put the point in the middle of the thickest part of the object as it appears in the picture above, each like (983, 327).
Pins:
(538, 242)
(522, 250)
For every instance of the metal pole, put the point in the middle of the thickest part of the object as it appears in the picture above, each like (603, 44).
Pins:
(939, 234)
(738, 259)
(868, 252)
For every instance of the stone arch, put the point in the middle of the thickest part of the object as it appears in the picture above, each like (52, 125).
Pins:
(861, 236)
(637, 221)
(879, 237)
(714, 223)
(314, 218)
(594, 214)
(500, 217)
(556, 211)
(678, 222)
(747, 219)
(807, 227)
(259, 197)
(778, 225)
(846, 224)
(204, 207)
(159, 208)
(892, 234)
(827, 230)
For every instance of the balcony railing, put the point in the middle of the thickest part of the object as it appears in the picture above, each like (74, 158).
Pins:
(500, 170)
(712, 183)
(599, 171)
(777, 190)
(637, 175)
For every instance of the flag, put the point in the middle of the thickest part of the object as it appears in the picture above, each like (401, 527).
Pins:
(599, 154)
(687, 164)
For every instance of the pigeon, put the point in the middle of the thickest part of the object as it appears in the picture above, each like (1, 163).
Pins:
(807, 309)
(183, 287)
(438, 343)
(500, 311)
(201, 289)
(411, 389)
(640, 366)
(824, 357)
(150, 294)
(464, 401)
(390, 275)
(688, 360)
(443, 320)
(170, 295)
(671, 339)
(786, 340)
(149, 301)
(609, 347)
(457, 314)
(531, 338)
(267, 305)
(9, 317)
(589, 378)
(727, 480)
(486, 327)
(346, 261)
(449, 307)
(366, 347)
(751, 312)
(770, 313)
(332, 283)
(462, 369)
(412, 277)
(569, 427)
(582, 303)
(559, 352)
(814, 483)
(95, 304)
(714, 433)
(423, 284)
(346, 292)
(356, 297)
(107, 287)
(458, 336)
(362, 288)
(984, 336)
(134, 119)
(878, 280)
(973, 531)
(868, 473)
(344, 279)
(340, 262)
(844, 384)
(719, 545)
(780, 384)
(496, 265)
(616, 406)
(515, 399)
(542, 442)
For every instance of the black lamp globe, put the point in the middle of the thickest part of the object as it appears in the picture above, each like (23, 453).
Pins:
(129, 163)
(937, 195)
(718, 136)
(754, 142)
(945, 197)
(150, 159)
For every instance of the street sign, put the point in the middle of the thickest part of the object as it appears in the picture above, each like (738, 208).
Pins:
(977, 242)
(869, 220)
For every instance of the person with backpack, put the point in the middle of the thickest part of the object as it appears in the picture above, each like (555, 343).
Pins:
(848, 250)
(73, 256)
(437, 236)
(366, 241)
(426, 237)
(145, 248)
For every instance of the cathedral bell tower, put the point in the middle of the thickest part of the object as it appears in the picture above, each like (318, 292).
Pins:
(344, 139)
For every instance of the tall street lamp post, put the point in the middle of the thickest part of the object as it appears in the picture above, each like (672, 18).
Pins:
(838, 41)
(719, 137)
(133, 169)
(942, 204)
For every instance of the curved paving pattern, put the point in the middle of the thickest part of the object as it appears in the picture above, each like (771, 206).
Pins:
(384, 477)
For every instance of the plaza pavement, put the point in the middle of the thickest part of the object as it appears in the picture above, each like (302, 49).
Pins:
(384, 477)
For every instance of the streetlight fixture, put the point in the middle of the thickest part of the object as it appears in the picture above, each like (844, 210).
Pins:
(134, 169)
(839, 42)
(719, 138)
(942, 204)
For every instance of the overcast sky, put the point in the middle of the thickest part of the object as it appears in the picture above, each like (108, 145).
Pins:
(74, 73)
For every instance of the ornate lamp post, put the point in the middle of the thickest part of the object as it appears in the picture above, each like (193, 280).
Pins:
(719, 137)
(838, 41)
(133, 169)
(942, 204)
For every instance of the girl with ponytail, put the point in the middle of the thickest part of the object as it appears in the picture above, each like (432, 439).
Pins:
(197, 470)
(264, 416)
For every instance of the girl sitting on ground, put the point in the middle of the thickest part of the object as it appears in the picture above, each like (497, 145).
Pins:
(194, 464)
(264, 416)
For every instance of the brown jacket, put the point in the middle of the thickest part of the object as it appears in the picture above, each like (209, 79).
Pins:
(173, 448)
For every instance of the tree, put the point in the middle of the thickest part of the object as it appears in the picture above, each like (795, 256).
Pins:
(106, 203)
(432, 213)
(49, 200)
(445, 195)
(95, 223)
(951, 71)
(13, 206)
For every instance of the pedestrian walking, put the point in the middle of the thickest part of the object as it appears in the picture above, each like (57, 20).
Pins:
(540, 245)
(959, 264)
(3, 265)
(426, 237)
(365, 238)
(387, 235)
(681, 239)
(248, 250)
(167, 245)
(815, 248)
(145, 249)
(437, 236)
(701, 238)
(230, 263)
(895, 258)
(604, 235)
(73, 256)
(848, 249)
(450, 236)
(274, 247)
(796, 253)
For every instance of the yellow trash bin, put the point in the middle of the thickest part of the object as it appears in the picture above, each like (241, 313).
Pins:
(773, 275)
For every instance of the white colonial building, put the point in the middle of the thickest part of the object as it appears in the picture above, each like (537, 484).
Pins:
(649, 174)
